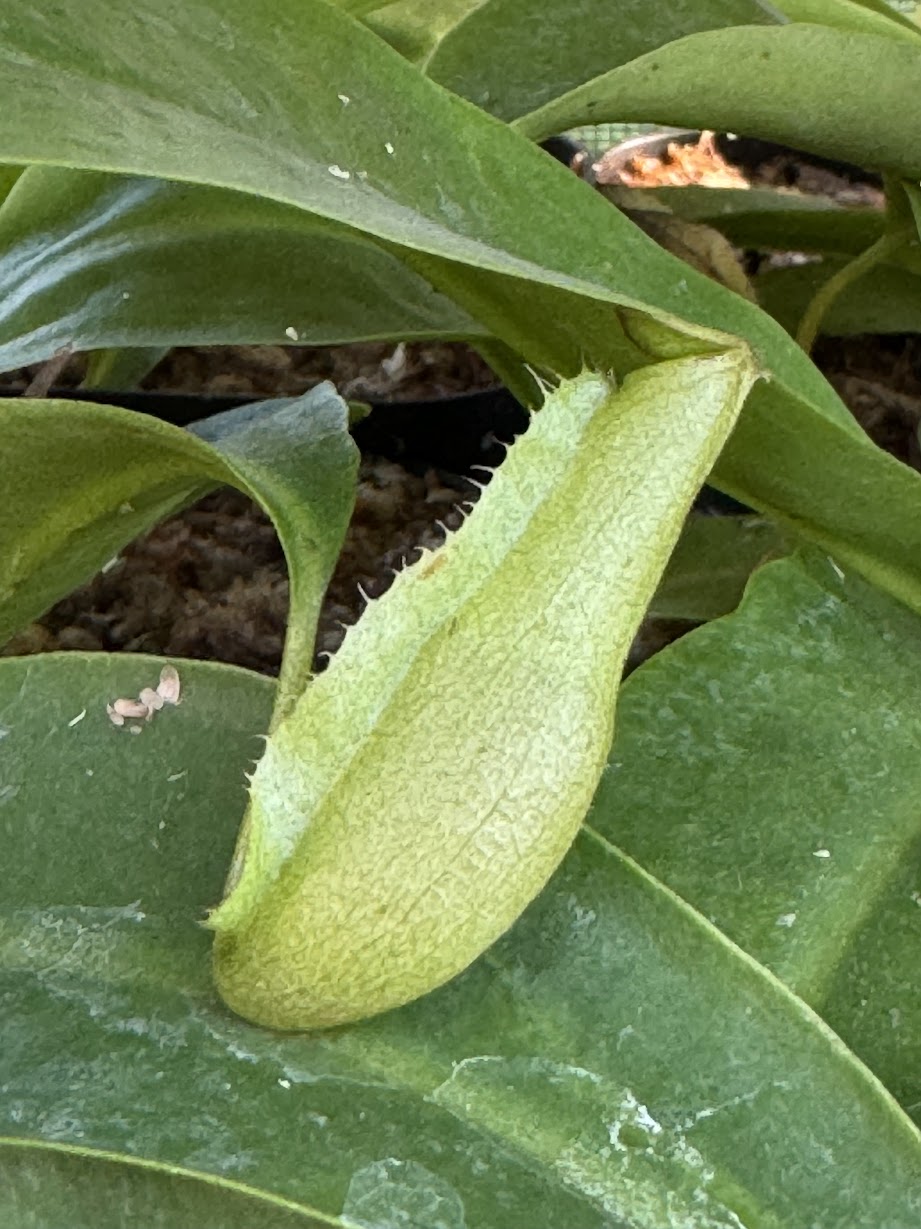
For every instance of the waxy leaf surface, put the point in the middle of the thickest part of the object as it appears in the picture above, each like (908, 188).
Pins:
(767, 770)
(614, 1062)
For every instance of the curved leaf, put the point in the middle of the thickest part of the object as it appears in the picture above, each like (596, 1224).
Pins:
(92, 261)
(272, 123)
(613, 1062)
(766, 769)
(751, 74)
(258, 105)
(85, 479)
(512, 56)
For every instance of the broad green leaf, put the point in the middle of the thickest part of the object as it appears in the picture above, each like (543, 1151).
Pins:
(612, 1062)
(258, 104)
(281, 131)
(449, 214)
(766, 769)
(499, 655)
(94, 261)
(512, 56)
(711, 564)
(82, 480)
(742, 80)
(887, 299)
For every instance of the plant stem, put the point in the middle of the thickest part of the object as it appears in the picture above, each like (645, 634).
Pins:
(825, 296)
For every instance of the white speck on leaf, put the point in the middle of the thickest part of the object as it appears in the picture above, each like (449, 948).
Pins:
(284, 1083)
(125, 508)
(389, 148)
(916, 897)
(339, 172)
(292, 332)
(135, 729)
(177, 776)
(76, 720)
(344, 99)
(786, 920)
(821, 853)
(114, 717)
(627, 1031)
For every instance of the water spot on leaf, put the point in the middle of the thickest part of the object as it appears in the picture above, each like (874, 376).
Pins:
(395, 1194)
(600, 1138)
